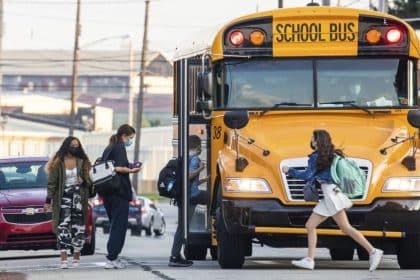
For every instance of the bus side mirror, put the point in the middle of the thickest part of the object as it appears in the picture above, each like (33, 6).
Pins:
(236, 119)
(205, 86)
(413, 118)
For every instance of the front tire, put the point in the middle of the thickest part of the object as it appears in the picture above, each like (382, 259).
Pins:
(106, 229)
(161, 231)
(230, 247)
(341, 254)
(408, 253)
(149, 229)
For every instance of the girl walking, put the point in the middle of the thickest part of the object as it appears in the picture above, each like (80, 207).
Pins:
(69, 188)
(334, 203)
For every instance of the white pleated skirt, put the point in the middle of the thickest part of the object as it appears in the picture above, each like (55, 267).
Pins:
(333, 202)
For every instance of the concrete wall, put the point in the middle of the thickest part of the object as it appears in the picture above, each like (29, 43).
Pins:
(155, 150)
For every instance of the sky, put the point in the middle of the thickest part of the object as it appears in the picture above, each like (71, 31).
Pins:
(50, 24)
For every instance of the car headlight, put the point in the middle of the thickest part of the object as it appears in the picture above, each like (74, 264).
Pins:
(246, 185)
(402, 184)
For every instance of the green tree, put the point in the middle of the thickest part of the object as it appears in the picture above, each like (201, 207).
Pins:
(405, 8)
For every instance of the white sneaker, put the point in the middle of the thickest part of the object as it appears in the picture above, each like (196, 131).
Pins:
(307, 263)
(117, 264)
(75, 263)
(64, 265)
(375, 258)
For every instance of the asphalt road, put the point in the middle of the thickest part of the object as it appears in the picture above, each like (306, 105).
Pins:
(147, 258)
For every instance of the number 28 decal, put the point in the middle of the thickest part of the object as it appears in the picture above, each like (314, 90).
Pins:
(217, 132)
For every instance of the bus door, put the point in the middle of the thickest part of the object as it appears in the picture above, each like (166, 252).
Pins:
(196, 221)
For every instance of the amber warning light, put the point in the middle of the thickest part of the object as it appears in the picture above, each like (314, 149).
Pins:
(373, 36)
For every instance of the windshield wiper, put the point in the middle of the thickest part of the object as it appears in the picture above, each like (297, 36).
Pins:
(277, 105)
(351, 103)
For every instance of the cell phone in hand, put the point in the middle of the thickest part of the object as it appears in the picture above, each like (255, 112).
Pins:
(135, 165)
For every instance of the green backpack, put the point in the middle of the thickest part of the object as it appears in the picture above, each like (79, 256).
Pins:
(348, 176)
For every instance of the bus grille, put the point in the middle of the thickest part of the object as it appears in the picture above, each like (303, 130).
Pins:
(294, 187)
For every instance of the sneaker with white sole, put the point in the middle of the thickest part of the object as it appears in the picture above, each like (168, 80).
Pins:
(117, 264)
(306, 263)
(375, 258)
(64, 265)
(75, 263)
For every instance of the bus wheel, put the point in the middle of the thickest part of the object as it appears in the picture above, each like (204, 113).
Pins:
(195, 252)
(408, 253)
(341, 254)
(230, 247)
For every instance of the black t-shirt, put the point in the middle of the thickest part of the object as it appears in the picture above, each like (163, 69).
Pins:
(119, 155)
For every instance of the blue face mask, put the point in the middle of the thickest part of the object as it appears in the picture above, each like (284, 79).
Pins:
(129, 142)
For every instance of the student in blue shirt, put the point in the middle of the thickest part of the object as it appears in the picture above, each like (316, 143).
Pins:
(196, 196)
(334, 202)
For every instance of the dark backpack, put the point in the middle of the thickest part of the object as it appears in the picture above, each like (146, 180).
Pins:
(169, 181)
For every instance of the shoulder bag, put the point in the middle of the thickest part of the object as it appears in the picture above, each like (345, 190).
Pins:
(106, 180)
(310, 191)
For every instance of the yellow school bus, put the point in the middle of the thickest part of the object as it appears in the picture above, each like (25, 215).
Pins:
(256, 88)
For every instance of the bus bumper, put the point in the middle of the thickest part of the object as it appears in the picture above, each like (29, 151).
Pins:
(389, 218)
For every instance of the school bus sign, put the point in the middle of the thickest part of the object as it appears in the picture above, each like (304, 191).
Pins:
(326, 37)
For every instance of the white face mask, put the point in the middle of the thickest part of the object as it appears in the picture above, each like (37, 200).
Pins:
(129, 142)
(194, 152)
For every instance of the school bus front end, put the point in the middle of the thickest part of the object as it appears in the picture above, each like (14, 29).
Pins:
(279, 75)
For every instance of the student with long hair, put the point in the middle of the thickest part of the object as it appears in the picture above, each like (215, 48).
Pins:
(69, 188)
(117, 204)
(334, 202)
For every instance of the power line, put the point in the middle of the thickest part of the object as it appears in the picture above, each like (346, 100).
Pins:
(99, 21)
(60, 86)
(52, 60)
(36, 2)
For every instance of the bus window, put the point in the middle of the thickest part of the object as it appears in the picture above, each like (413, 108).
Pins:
(198, 188)
(263, 83)
(368, 83)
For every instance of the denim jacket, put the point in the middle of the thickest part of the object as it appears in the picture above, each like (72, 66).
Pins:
(194, 165)
(310, 173)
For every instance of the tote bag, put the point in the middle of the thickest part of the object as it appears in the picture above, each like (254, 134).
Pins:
(106, 180)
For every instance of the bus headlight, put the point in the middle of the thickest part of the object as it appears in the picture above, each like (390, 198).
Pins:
(402, 184)
(246, 185)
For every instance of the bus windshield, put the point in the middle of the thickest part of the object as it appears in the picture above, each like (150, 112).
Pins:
(292, 83)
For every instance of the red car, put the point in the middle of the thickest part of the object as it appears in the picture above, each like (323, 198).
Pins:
(23, 222)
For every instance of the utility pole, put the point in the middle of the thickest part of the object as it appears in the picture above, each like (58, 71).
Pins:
(75, 68)
(139, 118)
(383, 6)
(280, 3)
(130, 83)
(1, 49)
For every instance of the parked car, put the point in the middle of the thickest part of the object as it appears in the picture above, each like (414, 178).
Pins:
(23, 222)
(134, 215)
(153, 219)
